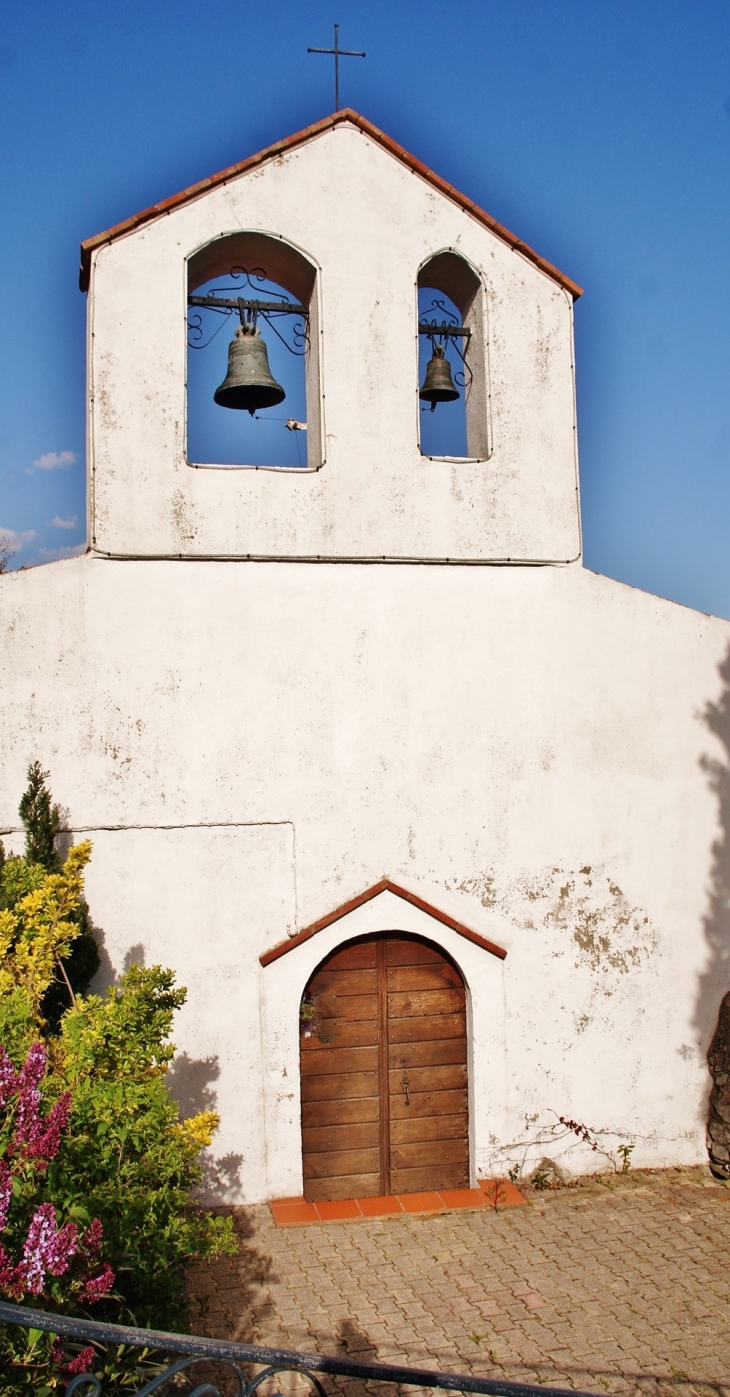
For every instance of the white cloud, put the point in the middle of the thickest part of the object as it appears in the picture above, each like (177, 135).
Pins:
(52, 555)
(58, 523)
(15, 542)
(56, 460)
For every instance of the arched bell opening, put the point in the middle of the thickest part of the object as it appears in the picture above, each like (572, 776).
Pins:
(253, 396)
(453, 394)
(384, 1070)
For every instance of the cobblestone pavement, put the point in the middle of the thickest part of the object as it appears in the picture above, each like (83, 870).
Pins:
(618, 1287)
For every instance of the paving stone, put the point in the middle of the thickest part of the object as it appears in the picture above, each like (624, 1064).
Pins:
(623, 1290)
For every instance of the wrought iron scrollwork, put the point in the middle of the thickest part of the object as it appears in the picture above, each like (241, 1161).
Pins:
(449, 324)
(270, 305)
(195, 327)
(83, 1380)
(447, 330)
(203, 1389)
(283, 1368)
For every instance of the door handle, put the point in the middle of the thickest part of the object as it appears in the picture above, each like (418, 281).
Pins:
(404, 1085)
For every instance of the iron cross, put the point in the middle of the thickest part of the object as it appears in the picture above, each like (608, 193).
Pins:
(338, 54)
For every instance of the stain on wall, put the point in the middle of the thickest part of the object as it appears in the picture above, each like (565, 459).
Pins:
(596, 922)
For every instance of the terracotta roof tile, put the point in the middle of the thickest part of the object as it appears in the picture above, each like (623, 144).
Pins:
(195, 191)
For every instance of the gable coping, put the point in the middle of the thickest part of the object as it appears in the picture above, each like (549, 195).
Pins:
(196, 191)
(385, 885)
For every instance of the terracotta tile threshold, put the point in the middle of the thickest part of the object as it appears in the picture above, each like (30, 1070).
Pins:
(295, 1212)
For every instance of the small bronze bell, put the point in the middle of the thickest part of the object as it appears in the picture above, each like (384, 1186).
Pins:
(249, 383)
(438, 385)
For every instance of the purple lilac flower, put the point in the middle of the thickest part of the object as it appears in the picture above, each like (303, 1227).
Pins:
(6, 1192)
(35, 1137)
(93, 1237)
(8, 1273)
(46, 1248)
(26, 1116)
(29, 1096)
(34, 1068)
(98, 1286)
(43, 1137)
(8, 1078)
(82, 1362)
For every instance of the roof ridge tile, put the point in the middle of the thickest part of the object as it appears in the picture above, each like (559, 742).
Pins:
(346, 115)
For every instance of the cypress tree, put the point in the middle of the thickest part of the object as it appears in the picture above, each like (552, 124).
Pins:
(42, 820)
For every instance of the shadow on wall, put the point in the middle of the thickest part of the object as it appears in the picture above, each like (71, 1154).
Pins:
(188, 1082)
(106, 975)
(715, 982)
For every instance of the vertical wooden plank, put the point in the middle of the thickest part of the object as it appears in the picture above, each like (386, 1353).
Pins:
(341, 1076)
(382, 974)
(429, 1144)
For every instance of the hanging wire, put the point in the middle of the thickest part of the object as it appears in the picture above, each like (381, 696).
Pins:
(296, 434)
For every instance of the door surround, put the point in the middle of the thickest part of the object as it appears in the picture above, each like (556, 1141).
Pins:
(285, 975)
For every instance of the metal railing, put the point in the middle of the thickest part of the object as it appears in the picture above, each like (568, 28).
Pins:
(197, 1350)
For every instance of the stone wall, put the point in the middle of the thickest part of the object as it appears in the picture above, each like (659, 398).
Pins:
(718, 1125)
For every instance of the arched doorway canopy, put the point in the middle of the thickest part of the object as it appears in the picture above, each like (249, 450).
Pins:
(384, 889)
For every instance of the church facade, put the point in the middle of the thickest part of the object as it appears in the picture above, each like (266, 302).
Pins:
(427, 817)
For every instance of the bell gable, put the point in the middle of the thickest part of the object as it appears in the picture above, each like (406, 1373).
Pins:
(363, 219)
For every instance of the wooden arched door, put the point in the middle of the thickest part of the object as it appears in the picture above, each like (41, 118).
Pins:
(384, 1071)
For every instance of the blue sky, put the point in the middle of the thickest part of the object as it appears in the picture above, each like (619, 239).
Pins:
(598, 130)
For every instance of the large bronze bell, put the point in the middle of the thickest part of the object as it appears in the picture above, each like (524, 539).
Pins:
(438, 385)
(249, 383)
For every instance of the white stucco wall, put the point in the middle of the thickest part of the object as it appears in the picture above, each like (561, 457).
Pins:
(252, 744)
(368, 223)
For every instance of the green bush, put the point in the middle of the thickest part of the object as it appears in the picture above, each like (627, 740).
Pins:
(127, 1157)
(124, 1158)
